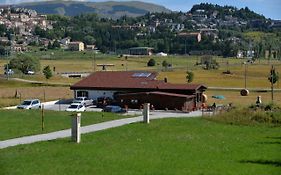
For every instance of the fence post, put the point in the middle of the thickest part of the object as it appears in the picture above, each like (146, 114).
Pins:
(145, 112)
(75, 130)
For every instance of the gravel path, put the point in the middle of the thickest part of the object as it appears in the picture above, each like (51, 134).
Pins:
(92, 128)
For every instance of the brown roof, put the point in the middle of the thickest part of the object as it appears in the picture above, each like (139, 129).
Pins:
(129, 80)
(158, 93)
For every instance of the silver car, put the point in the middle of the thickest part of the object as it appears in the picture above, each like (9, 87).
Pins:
(30, 104)
(83, 100)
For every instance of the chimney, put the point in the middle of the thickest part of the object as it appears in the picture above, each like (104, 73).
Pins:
(166, 80)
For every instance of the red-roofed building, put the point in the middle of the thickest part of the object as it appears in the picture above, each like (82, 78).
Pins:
(133, 88)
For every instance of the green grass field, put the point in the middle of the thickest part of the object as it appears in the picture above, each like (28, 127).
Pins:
(168, 146)
(17, 123)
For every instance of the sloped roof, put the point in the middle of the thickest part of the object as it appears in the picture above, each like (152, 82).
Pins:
(129, 80)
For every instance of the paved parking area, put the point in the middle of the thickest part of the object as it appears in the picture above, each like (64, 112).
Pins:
(62, 105)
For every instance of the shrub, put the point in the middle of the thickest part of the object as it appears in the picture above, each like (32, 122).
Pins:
(189, 76)
(249, 116)
(151, 62)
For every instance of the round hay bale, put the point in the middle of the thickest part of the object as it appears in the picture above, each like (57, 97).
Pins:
(204, 98)
(244, 92)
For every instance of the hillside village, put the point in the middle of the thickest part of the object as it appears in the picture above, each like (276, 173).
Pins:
(205, 29)
(20, 24)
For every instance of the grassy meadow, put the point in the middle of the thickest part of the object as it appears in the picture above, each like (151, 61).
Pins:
(18, 123)
(166, 146)
(66, 61)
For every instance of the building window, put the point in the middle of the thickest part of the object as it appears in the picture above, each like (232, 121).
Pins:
(134, 101)
(82, 94)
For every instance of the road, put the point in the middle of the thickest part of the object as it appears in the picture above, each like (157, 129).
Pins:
(93, 128)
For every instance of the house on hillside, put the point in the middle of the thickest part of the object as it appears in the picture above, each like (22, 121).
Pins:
(133, 88)
(191, 35)
(76, 46)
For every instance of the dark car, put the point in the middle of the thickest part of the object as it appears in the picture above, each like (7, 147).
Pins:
(104, 101)
(114, 109)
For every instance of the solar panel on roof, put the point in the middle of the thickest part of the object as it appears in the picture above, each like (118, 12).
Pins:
(141, 74)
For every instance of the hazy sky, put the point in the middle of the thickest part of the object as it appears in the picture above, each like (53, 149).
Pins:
(269, 8)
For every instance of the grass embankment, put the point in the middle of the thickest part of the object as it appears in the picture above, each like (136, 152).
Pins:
(167, 146)
(17, 123)
(265, 115)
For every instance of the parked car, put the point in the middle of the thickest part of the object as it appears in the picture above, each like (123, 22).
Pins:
(114, 109)
(83, 100)
(76, 107)
(30, 104)
(9, 72)
(104, 101)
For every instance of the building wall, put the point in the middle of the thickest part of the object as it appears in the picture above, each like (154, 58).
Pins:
(94, 94)
(157, 101)
(76, 46)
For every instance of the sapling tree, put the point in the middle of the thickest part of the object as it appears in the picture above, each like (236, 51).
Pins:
(273, 78)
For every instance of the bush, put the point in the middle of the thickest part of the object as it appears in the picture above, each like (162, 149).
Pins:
(151, 62)
(189, 76)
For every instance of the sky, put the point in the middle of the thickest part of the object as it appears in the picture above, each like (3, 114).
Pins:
(268, 8)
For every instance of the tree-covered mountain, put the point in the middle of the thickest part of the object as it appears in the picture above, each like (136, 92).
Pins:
(110, 9)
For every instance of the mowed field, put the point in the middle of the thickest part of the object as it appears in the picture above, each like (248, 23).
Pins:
(19, 123)
(257, 74)
(168, 146)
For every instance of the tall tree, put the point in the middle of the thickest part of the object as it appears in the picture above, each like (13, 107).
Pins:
(273, 78)
(47, 72)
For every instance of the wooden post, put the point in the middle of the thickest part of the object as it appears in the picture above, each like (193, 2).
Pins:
(44, 95)
(59, 104)
(42, 118)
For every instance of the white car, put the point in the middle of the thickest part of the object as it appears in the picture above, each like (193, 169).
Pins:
(30, 104)
(83, 100)
(76, 107)
(30, 72)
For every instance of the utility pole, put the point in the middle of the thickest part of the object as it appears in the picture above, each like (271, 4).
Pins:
(94, 62)
(245, 76)
(7, 68)
(271, 76)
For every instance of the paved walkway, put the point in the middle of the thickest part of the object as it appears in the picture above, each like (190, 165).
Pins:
(92, 128)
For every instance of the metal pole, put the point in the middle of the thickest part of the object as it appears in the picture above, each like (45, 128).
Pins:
(245, 74)
(94, 61)
(7, 70)
(44, 96)
(42, 118)
(59, 104)
(271, 72)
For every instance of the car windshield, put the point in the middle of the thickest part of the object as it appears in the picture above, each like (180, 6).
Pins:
(108, 108)
(26, 103)
(73, 106)
(77, 101)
